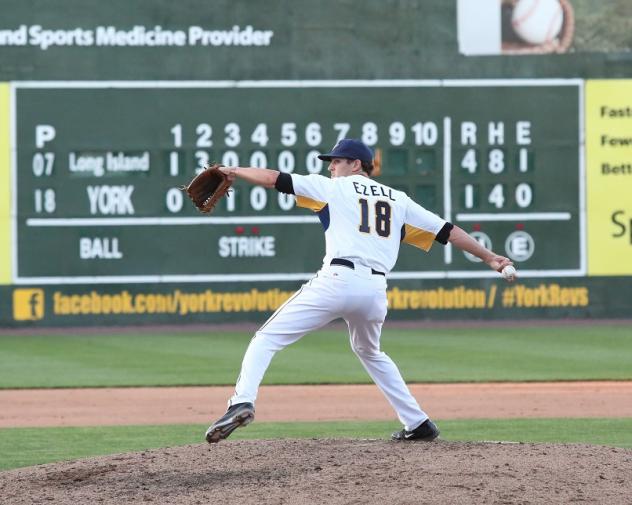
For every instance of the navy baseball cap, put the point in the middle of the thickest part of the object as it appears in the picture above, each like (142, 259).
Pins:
(349, 148)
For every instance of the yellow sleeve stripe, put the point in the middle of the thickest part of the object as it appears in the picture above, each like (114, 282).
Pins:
(308, 203)
(418, 237)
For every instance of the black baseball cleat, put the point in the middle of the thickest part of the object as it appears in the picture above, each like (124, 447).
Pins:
(240, 414)
(426, 431)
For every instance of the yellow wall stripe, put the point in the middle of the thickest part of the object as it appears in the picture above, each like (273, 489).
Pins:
(5, 184)
(418, 237)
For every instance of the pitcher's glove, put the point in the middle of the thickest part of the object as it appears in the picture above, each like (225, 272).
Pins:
(208, 187)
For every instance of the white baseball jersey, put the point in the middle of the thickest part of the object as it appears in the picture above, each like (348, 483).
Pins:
(365, 221)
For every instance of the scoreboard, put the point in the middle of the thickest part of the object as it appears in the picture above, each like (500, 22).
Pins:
(97, 168)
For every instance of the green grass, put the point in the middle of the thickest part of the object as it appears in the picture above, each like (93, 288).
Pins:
(423, 355)
(21, 447)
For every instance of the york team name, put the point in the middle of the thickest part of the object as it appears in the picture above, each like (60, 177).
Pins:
(365, 190)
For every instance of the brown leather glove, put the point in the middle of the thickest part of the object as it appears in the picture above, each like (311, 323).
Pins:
(208, 187)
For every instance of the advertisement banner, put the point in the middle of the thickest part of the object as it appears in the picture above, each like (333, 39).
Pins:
(301, 39)
(609, 176)
(199, 303)
(540, 27)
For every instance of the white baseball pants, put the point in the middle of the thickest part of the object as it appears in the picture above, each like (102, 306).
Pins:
(359, 297)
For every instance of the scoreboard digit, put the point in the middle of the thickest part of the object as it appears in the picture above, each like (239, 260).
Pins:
(99, 165)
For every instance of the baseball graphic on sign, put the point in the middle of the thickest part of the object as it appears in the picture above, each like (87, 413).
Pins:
(537, 21)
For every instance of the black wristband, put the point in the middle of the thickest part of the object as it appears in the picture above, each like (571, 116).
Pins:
(284, 184)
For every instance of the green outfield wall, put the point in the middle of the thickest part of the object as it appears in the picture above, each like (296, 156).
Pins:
(106, 109)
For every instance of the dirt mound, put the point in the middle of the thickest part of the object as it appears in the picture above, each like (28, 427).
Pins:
(333, 472)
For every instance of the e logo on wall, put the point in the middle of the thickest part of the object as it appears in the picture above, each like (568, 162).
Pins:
(28, 304)
(519, 246)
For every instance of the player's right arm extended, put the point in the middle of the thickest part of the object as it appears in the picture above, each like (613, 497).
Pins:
(259, 176)
(461, 239)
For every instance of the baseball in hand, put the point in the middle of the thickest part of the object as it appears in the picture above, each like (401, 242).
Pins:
(509, 273)
(537, 21)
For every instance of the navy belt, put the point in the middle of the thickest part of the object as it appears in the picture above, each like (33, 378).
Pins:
(349, 264)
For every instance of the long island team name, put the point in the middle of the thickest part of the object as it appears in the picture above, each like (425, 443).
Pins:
(363, 189)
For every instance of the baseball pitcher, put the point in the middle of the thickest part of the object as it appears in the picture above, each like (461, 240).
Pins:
(364, 222)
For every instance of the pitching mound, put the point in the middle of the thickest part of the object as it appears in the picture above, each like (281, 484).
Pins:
(333, 472)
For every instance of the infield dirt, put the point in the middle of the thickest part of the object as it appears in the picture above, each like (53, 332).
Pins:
(326, 471)
(175, 405)
(333, 472)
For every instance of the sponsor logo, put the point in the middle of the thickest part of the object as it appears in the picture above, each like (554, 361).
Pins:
(28, 304)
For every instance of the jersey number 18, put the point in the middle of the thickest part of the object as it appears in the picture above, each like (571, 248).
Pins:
(382, 217)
